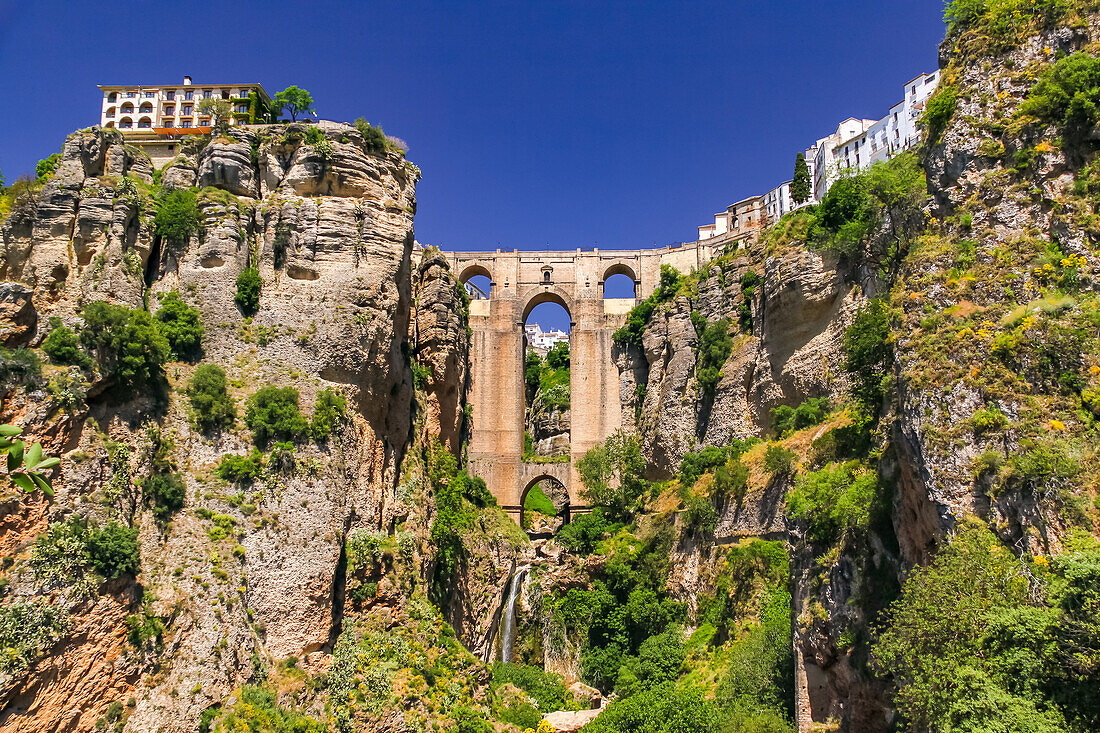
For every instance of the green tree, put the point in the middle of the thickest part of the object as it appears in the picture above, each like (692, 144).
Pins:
(219, 109)
(330, 409)
(210, 400)
(613, 474)
(177, 218)
(165, 493)
(249, 285)
(273, 414)
(867, 354)
(800, 184)
(114, 550)
(62, 345)
(294, 101)
(45, 168)
(558, 356)
(181, 325)
(125, 342)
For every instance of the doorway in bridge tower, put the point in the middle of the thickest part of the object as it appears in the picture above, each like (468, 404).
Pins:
(546, 383)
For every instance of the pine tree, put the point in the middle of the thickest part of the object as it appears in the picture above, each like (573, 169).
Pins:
(800, 186)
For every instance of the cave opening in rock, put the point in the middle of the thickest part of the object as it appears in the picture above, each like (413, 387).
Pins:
(546, 381)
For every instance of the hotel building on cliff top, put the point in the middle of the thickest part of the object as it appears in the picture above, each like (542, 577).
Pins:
(155, 116)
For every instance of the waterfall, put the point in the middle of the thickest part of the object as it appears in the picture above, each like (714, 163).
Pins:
(510, 615)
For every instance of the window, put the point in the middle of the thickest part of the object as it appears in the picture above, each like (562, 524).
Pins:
(185, 123)
(187, 109)
(111, 112)
(170, 109)
(125, 122)
(546, 276)
(150, 95)
(189, 95)
(207, 94)
(225, 94)
(170, 95)
(131, 95)
(169, 122)
(204, 123)
(127, 107)
(145, 122)
(242, 109)
(112, 97)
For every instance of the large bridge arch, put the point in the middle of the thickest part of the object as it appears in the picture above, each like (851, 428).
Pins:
(574, 280)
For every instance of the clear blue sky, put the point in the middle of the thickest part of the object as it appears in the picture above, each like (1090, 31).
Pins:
(560, 124)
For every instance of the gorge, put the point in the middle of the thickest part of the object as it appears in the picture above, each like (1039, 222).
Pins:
(838, 476)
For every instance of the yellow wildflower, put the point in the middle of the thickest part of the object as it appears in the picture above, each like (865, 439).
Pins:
(1094, 370)
(1056, 425)
(1042, 560)
(1028, 322)
(966, 332)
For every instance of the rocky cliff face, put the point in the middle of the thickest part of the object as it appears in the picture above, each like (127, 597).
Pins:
(329, 228)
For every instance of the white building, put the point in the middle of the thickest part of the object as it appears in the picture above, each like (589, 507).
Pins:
(859, 143)
(543, 341)
(171, 108)
(474, 291)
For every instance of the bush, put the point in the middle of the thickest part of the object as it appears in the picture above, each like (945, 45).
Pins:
(694, 465)
(114, 550)
(238, 469)
(177, 218)
(19, 367)
(786, 420)
(663, 709)
(374, 137)
(329, 411)
(834, 502)
(1066, 94)
(867, 354)
(545, 688)
(165, 493)
(273, 414)
(257, 711)
(638, 318)
(714, 347)
(971, 648)
(779, 460)
(62, 345)
(939, 110)
(612, 474)
(558, 356)
(126, 344)
(181, 325)
(582, 534)
(249, 285)
(210, 400)
(45, 168)
(28, 630)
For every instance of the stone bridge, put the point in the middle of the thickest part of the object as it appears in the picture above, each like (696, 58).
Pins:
(575, 280)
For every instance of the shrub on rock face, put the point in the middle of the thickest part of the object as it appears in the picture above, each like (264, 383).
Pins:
(165, 492)
(241, 469)
(327, 413)
(180, 324)
(210, 400)
(177, 218)
(114, 550)
(62, 345)
(126, 344)
(273, 414)
(249, 284)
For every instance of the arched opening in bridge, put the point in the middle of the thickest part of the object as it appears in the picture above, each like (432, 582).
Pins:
(546, 379)
(620, 283)
(545, 506)
(478, 282)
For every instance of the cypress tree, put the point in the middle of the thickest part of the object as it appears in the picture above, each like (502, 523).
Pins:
(800, 186)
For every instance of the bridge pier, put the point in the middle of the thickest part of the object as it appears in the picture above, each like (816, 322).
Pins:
(574, 280)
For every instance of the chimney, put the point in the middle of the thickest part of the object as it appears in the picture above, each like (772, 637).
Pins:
(187, 81)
